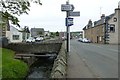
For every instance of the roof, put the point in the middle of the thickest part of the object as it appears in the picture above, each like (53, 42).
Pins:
(101, 21)
(16, 27)
(37, 29)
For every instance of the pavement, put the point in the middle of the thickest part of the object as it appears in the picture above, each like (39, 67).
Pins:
(87, 60)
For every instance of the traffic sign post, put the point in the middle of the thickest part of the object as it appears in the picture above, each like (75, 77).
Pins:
(69, 21)
(75, 14)
(68, 31)
(67, 7)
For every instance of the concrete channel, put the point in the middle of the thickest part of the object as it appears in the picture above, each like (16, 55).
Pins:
(45, 60)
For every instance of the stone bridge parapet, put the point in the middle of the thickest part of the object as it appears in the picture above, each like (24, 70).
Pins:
(39, 48)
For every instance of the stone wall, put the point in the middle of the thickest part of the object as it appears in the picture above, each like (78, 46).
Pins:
(60, 64)
(46, 47)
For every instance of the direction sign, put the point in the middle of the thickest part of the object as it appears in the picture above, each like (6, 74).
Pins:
(77, 13)
(67, 7)
(69, 21)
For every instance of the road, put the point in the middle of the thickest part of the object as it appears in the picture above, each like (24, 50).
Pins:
(88, 60)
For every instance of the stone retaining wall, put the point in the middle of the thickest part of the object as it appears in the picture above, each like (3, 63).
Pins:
(60, 64)
(46, 47)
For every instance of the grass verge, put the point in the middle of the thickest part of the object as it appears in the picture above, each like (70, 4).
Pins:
(12, 68)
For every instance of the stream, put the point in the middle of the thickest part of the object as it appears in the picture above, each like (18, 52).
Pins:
(41, 69)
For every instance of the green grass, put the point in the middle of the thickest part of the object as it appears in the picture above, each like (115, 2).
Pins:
(0, 63)
(12, 68)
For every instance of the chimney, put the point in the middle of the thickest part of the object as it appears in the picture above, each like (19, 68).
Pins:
(103, 16)
(119, 4)
(117, 10)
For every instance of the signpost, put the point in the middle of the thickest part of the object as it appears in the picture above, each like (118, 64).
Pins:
(75, 14)
(67, 7)
(69, 21)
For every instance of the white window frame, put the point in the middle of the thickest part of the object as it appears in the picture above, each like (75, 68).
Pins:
(16, 37)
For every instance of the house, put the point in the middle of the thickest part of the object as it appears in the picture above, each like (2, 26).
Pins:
(14, 35)
(37, 32)
(114, 28)
(17, 34)
(25, 33)
(77, 34)
(97, 31)
(88, 30)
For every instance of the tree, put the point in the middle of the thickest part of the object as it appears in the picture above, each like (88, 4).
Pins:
(52, 35)
(26, 29)
(57, 33)
(10, 8)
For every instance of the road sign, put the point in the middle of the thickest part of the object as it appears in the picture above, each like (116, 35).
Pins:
(67, 7)
(77, 13)
(69, 21)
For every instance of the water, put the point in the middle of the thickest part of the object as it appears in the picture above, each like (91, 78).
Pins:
(41, 68)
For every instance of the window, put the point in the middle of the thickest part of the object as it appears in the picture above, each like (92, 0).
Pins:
(111, 28)
(115, 19)
(15, 37)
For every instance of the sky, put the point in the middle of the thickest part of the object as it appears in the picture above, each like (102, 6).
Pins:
(50, 17)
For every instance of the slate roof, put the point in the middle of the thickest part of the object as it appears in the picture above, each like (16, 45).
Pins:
(101, 21)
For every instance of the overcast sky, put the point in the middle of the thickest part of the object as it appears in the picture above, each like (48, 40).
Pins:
(50, 17)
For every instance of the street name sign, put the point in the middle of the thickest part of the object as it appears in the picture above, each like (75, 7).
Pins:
(67, 7)
(77, 13)
(69, 21)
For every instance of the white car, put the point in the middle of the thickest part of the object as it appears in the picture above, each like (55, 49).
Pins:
(30, 39)
(85, 40)
(80, 39)
(39, 39)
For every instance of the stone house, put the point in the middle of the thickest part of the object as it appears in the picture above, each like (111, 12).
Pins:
(97, 31)
(114, 28)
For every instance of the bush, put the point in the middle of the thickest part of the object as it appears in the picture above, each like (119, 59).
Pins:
(12, 68)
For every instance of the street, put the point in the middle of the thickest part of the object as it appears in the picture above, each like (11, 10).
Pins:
(88, 60)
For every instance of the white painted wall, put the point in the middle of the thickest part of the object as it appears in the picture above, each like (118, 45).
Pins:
(13, 31)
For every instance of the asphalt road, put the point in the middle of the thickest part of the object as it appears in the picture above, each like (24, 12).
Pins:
(88, 60)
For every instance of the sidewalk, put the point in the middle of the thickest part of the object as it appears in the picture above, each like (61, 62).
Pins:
(77, 67)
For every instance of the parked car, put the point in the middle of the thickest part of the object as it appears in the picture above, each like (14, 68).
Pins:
(85, 40)
(30, 39)
(38, 39)
(80, 39)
